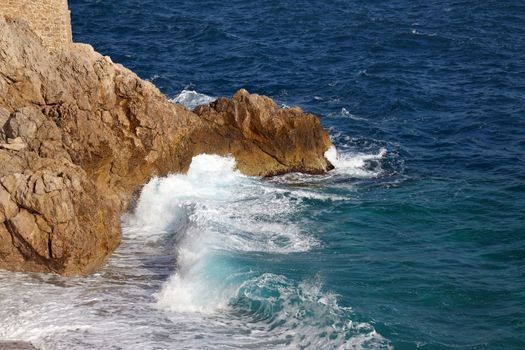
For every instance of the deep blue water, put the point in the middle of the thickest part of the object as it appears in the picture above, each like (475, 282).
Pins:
(427, 245)
(433, 250)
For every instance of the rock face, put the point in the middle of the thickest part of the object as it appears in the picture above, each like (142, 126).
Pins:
(263, 138)
(80, 134)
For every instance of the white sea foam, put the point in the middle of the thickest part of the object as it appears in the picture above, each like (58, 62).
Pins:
(303, 194)
(356, 164)
(206, 219)
(417, 32)
(346, 114)
(302, 315)
(234, 213)
(192, 99)
(214, 208)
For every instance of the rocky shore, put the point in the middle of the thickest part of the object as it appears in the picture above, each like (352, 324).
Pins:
(79, 135)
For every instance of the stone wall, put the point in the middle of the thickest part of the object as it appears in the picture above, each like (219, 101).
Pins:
(50, 19)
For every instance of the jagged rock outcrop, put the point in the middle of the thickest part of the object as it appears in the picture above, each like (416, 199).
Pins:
(80, 134)
(263, 138)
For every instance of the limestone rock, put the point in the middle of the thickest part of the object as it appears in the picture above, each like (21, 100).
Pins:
(16, 144)
(80, 134)
(264, 139)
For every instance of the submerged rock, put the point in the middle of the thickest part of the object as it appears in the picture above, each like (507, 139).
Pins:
(80, 134)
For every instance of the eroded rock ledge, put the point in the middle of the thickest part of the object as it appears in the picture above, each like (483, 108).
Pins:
(80, 134)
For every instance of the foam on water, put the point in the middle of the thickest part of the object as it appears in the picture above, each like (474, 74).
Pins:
(302, 316)
(233, 211)
(211, 210)
(194, 257)
(232, 214)
(344, 113)
(356, 164)
(192, 99)
(203, 224)
(427, 241)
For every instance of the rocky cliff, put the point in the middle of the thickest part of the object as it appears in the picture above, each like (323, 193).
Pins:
(80, 134)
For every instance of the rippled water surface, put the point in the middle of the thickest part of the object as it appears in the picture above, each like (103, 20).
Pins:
(415, 240)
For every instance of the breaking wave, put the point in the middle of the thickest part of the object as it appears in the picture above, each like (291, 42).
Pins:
(356, 164)
(208, 261)
(218, 220)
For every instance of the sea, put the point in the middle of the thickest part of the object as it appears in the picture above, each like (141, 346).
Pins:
(415, 241)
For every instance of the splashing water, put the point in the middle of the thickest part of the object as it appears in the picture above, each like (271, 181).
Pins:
(356, 164)
(224, 224)
(192, 99)
(425, 243)
(216, 219)
(197, 253)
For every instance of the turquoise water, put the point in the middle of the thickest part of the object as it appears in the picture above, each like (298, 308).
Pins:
(415, 241)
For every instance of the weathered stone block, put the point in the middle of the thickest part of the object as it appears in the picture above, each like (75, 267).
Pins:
(49, 19)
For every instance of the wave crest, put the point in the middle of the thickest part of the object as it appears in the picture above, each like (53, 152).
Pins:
(223, 225)
(192, 99)
(356, 164)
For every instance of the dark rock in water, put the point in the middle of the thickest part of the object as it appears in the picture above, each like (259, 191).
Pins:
(80, 134)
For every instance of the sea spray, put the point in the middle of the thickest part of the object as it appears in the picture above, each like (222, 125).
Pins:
(354, 164)
(229, 215)
(428, 248)
(192, 99)
(211, 210)
(207, 262)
